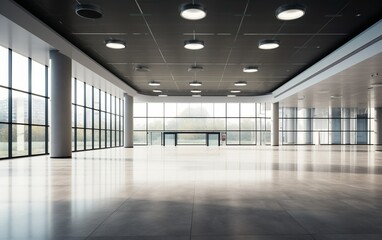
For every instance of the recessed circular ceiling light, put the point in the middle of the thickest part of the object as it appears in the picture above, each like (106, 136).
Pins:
(195, 84)
(196, 95)
(250, 69)
(288, 12)
(115, 44)
(335, 96)
(88, 11)
(195, 68)
(142, 68)
(268, 44)
(193, 44)
(235, 91)
(157, 90)
(154, 83)
(240, 83)
(196, 91)
(162, 95)
(231, 95)
(192, 11)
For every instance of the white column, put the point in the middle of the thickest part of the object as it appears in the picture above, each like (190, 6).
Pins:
(275, 124)
(378, 128)
(129, 124)
(61, 106)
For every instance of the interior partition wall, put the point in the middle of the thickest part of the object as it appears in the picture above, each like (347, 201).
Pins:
(97, 118)
(23, 105)
(237, 123)
(326, 125)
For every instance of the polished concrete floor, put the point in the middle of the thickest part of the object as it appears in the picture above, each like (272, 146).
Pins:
(167, 193)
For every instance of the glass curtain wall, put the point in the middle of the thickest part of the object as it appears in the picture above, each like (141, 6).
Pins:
(97, 118)
(238, 123)
(325, 125)
(23, 105)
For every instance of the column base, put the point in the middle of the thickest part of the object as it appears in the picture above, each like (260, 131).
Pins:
(129, 147)
(62, 157)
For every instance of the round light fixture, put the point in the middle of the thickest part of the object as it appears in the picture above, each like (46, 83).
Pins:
(115, 44)
(88, 11)
(193, 44)
(195, 68)
(157, 90)
(240, 83)
(235, 91)
(335, 96)
(288, 12)
(196, 91)
(142, 68)
(192, 11)
(250, 69)
(154, 83)
(162, 95)
(196, 95)
(195, 84)
(269, 44)
(231, 95)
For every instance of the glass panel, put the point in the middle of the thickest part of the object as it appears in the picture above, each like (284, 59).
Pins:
(89, 118)
(103, 120)
(117, 122)
(247, 124)
(89, 139)
(96, 98)
(169, 139)
(113, 122)
(96, 139)
(199, 139)
(4, 67)
(19, 140)
(80, 116)
(233, 124)
(103, 138)
(219, 110)
(112, 104)
(19, 107)
(207, 110)
(155, 124)
(247, 138)
(139, 110)
(140, 137)
(80, 139)
(233, 109)
(89, 95)
(170, 110)
(108, 121)
(4, 111)
(96, 119)
(232, 137)
(155, 109)
(38, 78)
(19, 72)
(117, 106)
(155, 138)
(183, 110)
(195, 109)
(140, 124)
(73, 115)
(108, 137)
(38, 140)
(38, 110)
(113, 138)
(247, 110)
(3, 140)
(219, 124)
(107, 103)
(103, 104)
(80, 93)
(170, 124)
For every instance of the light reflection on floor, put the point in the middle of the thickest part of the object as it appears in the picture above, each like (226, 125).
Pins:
(288, 192)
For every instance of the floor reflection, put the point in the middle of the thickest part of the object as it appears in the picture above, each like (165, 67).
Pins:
(301, 192)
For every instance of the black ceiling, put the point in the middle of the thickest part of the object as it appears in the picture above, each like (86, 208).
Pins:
(230, 31)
